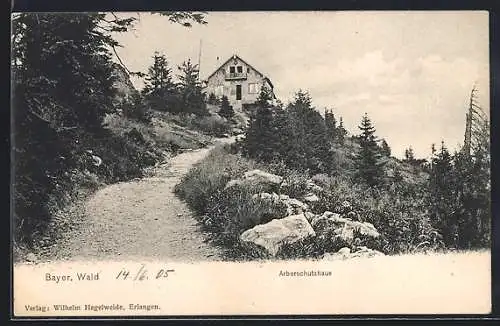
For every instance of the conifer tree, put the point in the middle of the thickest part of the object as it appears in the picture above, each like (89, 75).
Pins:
(260, 138)
(192, 97)
(160, 91)
(368, 161)
(341, 132)
(385, 149)
(265, 97)
(409, 155)
(331, 124)
(226, 111)
(442, 200)
(308, 146)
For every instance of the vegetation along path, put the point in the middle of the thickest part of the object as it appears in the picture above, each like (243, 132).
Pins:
(141, 219)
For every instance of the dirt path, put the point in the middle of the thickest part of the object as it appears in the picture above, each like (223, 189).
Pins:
(141, 219)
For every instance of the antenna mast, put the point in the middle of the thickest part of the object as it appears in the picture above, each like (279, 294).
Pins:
(199, 62)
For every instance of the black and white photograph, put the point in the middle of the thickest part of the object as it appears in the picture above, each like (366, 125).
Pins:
(246, 163)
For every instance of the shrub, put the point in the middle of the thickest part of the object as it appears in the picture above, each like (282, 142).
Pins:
(399, 213)
(210, 176)
(212, 125)
(294, 183)
(235, 210)
(226, 213)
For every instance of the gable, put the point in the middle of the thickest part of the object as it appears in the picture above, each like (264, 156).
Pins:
(236, 63)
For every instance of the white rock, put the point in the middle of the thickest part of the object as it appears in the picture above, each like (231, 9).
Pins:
(31, 257)
(297, 203)
(271, 236)
(262, 177)
(232, 183)
(311, 198)
(344, 251)
(284, 197)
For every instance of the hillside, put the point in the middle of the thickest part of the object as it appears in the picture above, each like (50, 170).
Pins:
(298, 185)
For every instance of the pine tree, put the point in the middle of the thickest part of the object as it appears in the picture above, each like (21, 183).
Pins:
(192, 97)
(226, 111)
(331, 124)
(265, 97)
(160, 91)
(341, 132)
(368, 160)
(159, 75)
(409, 155)
(260, 140)
(442, 199)
(308, 146)
(385, 149)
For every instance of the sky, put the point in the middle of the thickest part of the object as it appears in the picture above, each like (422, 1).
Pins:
(411, 72)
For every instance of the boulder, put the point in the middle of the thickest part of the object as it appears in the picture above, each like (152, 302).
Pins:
(293, 206)
(233, 183)
(328, 220)
(257, 178)
(344, 251)
(31, 257)
(284, 197)
(343, 228)
(261, 177)
(295, 203)
(311, 198)
(366, 228)
(313, 187)
(273, 235)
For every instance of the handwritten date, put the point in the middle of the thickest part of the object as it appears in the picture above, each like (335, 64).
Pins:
(142, 274)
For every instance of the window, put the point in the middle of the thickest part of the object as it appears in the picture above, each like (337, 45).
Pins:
(253, 88)
(240, 69)
(231, 70)
(248, 70)
(238, 92)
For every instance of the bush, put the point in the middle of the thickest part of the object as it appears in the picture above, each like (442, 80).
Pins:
(226, 213)
(233, 211)
(399, 213)
(210, 176)
(294, 182)
(212, 125)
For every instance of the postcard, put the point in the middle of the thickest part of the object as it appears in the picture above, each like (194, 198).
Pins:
(251, 163)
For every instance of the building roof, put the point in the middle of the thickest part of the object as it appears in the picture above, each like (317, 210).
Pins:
(234, 56)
